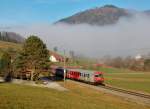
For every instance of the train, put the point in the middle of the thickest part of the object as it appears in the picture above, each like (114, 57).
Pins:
(91, 77)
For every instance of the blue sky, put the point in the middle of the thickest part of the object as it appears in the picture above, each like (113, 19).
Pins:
(48, 11)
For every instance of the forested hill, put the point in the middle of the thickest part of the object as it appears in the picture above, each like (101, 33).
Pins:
(11, 37)
(106, 15)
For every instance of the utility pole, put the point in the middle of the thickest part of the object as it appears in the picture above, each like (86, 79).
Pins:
(64, 65)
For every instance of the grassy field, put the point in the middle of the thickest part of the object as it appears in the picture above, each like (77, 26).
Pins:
(7, 45)
(139, 81)
(24, 97)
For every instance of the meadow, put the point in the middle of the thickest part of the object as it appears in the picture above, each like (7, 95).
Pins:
(133, 80)
(14, 96)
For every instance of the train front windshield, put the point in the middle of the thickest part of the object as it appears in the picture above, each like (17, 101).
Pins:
(99, 75)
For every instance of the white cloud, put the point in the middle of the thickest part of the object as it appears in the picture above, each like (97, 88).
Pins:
(127, 37)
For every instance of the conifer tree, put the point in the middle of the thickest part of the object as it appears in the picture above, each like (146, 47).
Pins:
(36, 55)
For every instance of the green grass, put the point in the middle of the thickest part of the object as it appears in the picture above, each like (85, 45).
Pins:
(24, 97)
(125, 78)
(114, 70)
(133, 80)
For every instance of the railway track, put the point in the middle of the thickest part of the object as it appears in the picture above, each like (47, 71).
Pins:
(116, 89)
(126, 91)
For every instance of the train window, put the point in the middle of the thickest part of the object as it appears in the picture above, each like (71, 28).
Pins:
(84, 75)
(88, 75)
(98, 75)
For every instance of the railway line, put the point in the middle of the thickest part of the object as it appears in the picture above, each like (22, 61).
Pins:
(125, 91)
(116, 89)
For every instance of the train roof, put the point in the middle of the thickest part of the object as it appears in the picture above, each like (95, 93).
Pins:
(85, 71)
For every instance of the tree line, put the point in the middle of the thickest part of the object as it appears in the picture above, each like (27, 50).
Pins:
(129, 62)
(11, 37)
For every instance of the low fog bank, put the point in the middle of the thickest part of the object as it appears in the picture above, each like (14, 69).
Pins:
(127, 37)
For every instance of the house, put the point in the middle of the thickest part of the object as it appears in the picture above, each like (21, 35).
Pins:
(138, 57)
(55, 57)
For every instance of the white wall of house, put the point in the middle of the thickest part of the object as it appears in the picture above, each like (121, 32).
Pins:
(138, 57)
(53, 59)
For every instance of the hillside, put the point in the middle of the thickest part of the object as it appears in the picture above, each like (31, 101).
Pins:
(105, 15)
(9, 45)
(11, 37)
(108, 14)
(11, 48)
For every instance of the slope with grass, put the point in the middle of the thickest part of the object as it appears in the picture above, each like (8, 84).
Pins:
(78, 97)
(9, 45)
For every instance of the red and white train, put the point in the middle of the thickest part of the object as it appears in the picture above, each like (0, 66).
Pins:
(93, 77)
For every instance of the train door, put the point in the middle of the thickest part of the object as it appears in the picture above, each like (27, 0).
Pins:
(91, 79)
(85, 76)
(88, 77)
(82, 76)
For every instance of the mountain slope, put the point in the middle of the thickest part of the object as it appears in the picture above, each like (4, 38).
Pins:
(108, 14)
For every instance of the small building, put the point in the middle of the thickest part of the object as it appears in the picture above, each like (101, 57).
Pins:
(55, 57)
(138, 57)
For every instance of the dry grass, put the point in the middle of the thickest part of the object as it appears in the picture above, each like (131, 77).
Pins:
(78, 97)
(6, 45)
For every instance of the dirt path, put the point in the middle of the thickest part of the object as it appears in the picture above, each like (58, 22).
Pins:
(51, 84)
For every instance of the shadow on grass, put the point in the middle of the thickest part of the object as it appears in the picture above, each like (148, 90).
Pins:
(2, 82)
(51, 78)
(55, 78)
(5, 80)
